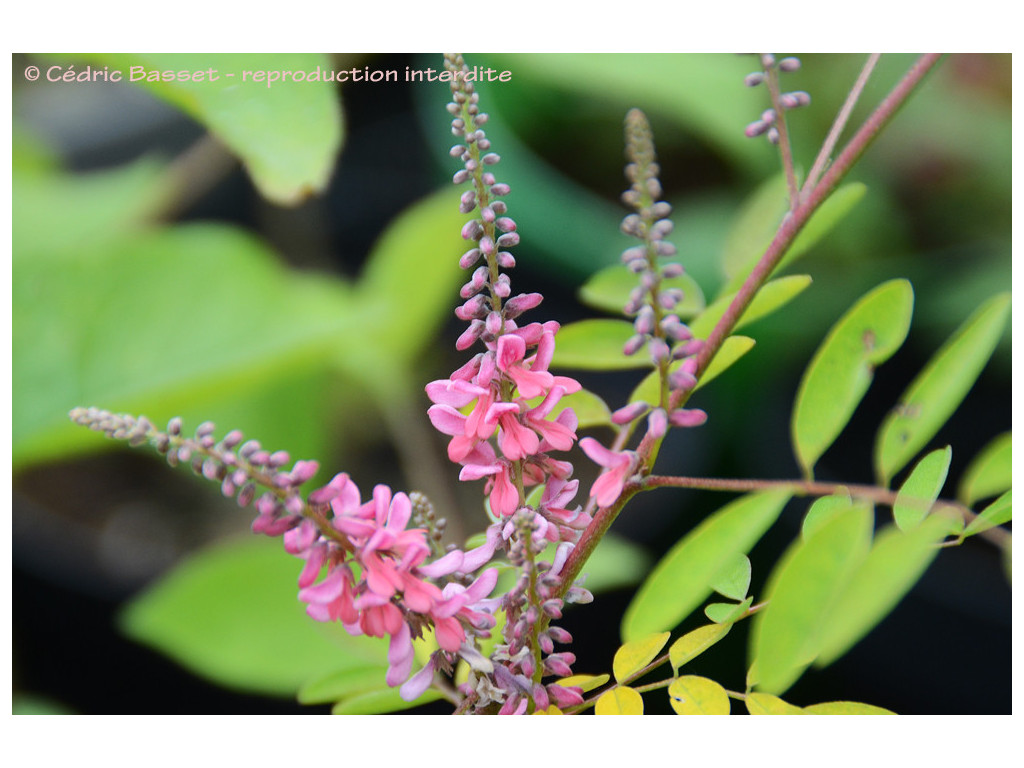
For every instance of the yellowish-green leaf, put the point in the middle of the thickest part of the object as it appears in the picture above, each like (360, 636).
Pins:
(609, 289)
(693, 695)
(920, 490)
(727, 613)
(620, 701)
(734, 580)
(774, 295)
(823, 510)
(551, 710)
(998, 512)
(637, 654)
(694, 643)
(586, 682)
(939, 389)
(682, 579)
(842, 368)
(989, 473)
(597, 345)
(894, 564)
(846, 708)
(766, 704)
(785, 636)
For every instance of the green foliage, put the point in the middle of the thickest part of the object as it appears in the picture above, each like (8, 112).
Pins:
(996, 513)
(230, 615)
(609, 289)
(989, 473)
(694, 643)
(287, 137)
(731, 350)
(596, 345)
(921, 488)
(805, 581)
(773, 296)
(939, 388)
(683, 578)
(842, 369)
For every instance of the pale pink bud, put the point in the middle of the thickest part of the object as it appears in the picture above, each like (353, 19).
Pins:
(687, 417)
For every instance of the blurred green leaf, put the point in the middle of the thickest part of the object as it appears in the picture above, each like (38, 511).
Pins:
(633, 656)
(774, 295)
(343, 683)
(989, 473)
(765, 704)
(921, 488)
(609, 289)
(758, 221)
(806, 580)
(231, 614)
(842, 369)
(823, 510)
(939, 388)
(590, 409)
(682, 579)
(380, 702)
(694, 643)
(405, 321)
(586, 682)
(596, 345)
(617, 562)
(896, 561)
(287, 134)
(693, 695)
(998, 512)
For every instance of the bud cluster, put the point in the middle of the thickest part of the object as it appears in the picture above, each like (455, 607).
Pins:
(767, 124)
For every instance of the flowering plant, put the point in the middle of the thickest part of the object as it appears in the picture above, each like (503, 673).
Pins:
(480, 624)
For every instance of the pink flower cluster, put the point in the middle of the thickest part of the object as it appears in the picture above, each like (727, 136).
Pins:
(391, 590)
(471, 407)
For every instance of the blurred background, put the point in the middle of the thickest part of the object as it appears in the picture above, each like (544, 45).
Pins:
(155, 273)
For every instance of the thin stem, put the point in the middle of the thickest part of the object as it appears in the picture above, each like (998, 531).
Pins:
(785, 149)
(840, 122)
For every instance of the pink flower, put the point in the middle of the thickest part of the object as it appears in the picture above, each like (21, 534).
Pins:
(618, 464)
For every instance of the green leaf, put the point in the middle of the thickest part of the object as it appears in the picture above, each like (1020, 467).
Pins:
(231, 614)
(998, 512)
(940, 388)
(637, 654)
(920, 490)
(989, 473)
(693, 695)
(727, 613)
(823, 510)
(766, 704)
(734, 580)
(749, 246)
(896, 561)
(380, 702)
(682, 579)
(596, 345)
(753, 228)
(340, 684)
(842, 369)
(400, 258)
(590, 409)
(609, 289)
(287, 135)
(694, 643)
(773, 295)
(806, 580)
(620, 701)
(617, 562)
(732, 349)
(845, 708)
